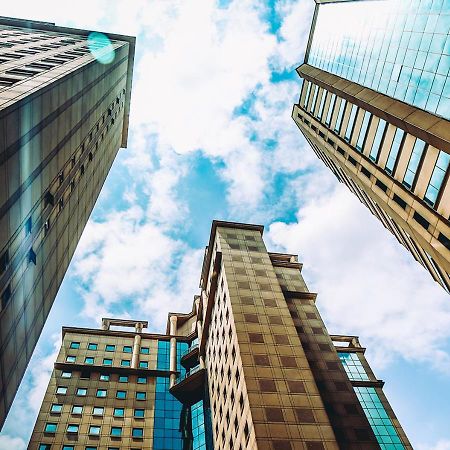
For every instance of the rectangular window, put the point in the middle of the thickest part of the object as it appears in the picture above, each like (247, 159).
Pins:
(72, 428)
(56, 408)
(308, 91)
(142, 380)
(395, 149)
(140, 395)
(340, 116)
(50, 428)
(322, 104)
(138, 432)
(61, 390)
(143, 364)
(77, 409)
(314, 99)
(437, 178)
(330, 110)
(94, 430)
(414, 161)
(121, 394)
(70, 358)
(123, 379)
(125, 363)
(420, 219)
(89, 360)
(378, 141)
(104, 377)
(92, 346)
(107, 361)
(145, 350)
(399, 201)
(128, 349)
(82, 392)
(65, 374)
(110, 348)
(98, 411)
(139, 413)
(353, 366)
(74, 345)
(45, 447)
(101, 393)
(363, 131)
(119, 412)
(351, 123)
(116, 431)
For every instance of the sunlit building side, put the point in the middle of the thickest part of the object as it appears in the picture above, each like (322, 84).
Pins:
(375, 108)
(64, 107)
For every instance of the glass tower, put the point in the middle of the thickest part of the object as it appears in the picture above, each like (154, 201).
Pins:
(375, 108)
(64, 107)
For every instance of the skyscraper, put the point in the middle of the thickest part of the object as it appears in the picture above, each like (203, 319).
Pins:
(64, 107)
(374, 106)
(251, 366)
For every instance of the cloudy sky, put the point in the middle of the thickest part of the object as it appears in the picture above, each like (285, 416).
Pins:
(211, 137)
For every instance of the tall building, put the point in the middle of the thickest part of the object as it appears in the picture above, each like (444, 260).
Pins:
(375, 108)
(64, 107)
(251, 366)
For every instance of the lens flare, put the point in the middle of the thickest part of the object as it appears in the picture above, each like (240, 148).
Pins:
(101, 48)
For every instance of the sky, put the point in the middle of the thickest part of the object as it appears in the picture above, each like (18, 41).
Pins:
(211, 137)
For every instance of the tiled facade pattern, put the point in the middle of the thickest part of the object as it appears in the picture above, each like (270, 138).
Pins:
(393, 156)
(63, 117)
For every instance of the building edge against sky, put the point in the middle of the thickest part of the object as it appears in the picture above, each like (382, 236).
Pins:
(251, 366)
(374, 106)
(64, 112)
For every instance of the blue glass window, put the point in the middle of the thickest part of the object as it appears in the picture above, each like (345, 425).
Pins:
(353, 366)
(110, 348)
(414, 160)
(351, 123)
(308, 91)
(393, 153)
(92, 346)
(101, 392)
(50, 428)
(137, 432)
(56, 408)
(119, 412)
(198, 426)
(75, 345)
(381, 424)
(330, 110)
(322, 104)
(378, 140)
(116, 431)
(89, 360)
(363, 131)
(314, 99)
(107, 361)
(437, 177)
(121, 394)
(145, 350)
(139, 412)
(340, 116)
(128, 349)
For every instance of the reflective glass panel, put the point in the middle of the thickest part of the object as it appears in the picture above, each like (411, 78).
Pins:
(363, 131)
(437, 177)
(353, 366)
(330, 110)
(395, 148)
(322, 104)
(351, 123)
(413, 164)
(376, 146)
(340, 116)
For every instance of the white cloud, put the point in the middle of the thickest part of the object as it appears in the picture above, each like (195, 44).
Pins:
(439, 445)
(367, 282)
(10, 443)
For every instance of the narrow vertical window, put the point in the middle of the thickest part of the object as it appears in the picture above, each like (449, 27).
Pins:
(322, 104)
(340, 116)
(395, 149)
(437, 178)
(314, 99)
(351, 123)
(414, 161)
(308, 92)
(363, 131)
(377, 142)
(330, 110)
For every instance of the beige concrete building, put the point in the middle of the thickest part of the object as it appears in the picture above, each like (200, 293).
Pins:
(64, 107)
(374, 106)
(252, 366)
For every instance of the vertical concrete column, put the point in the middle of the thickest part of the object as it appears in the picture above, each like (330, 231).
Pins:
(136, 351)
(173, 350)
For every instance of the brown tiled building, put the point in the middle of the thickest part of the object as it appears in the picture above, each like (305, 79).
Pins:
(375, 108)
(64, 107)
(252, 366)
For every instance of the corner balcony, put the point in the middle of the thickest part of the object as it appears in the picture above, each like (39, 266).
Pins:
(189, 388)
(189, 358)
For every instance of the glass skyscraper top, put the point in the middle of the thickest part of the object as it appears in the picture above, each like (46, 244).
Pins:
(400, 48)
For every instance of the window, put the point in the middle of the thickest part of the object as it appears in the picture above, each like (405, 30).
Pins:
(45, 447)
(94, 430)
(101, 393)
(414, 161)
(330, 110)
(98, 411)
(142, 380)
(74, 345)
(28, 226)
(104, 376)
(61, 390)
(123, 379)
(119, 412)
(56, 408)
(89, 447)
(145, 350)
(107, 361)
(125, 363)
(77, 409)
(72, 428)
(340, 116)
(393, 153)
(50, 428)
(353, 366)
(363, 131)
(70, 358)
(351, 123)
(378, 140)
(139, 413)
(81, 392)
(121, 394)
(128, 349)
(138, 432)
(65, 374)
(116, 431)
(68, 447)
(140, 396)
(308, 91)
(92, 346)
(143, 364)
(437, 178)
(314, 99)
(322, 104)
(110, 348)
(89, 360)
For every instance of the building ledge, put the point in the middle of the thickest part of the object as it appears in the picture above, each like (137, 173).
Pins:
(190, 389)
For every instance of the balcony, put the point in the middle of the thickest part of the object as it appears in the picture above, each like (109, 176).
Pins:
(189, 358)
(189, 388)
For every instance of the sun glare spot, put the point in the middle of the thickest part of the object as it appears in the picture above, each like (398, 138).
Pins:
(101, 48)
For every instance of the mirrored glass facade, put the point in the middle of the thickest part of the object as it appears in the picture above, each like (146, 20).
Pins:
(353, 366)
(399, 48)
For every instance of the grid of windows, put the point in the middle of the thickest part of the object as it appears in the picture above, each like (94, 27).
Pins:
(437, 177)
(413, 164)
(397, 48)
(198, 426)
(353, 366)
(379, 420)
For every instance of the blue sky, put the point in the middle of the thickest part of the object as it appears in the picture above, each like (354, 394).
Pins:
(211, 137)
